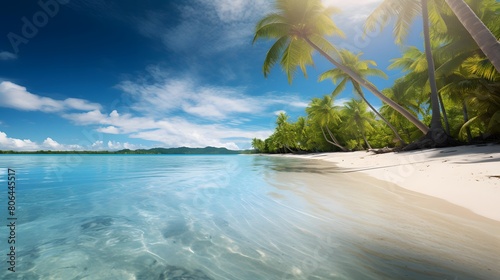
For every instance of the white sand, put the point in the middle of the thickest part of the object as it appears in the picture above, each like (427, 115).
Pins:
(468, 176)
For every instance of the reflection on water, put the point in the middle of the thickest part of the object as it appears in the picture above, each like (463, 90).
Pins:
(227, 217)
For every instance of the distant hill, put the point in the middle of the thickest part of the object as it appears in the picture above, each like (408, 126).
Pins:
(181, 151)
(154, 151)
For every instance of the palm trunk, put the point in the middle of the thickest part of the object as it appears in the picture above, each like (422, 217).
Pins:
(366, 141)
(436, 116)
(445, 115)
(371, 88)
(466, 119)
(486, 41)
(335, 141)
(360, 92)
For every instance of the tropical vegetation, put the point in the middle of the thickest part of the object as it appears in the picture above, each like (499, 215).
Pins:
(449, 90)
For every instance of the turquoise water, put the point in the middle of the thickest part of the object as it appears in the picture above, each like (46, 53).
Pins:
(192, 217)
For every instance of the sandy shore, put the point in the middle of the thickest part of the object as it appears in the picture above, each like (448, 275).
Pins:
(467, 176)
(392, 232)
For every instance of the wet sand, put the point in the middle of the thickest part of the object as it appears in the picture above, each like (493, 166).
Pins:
(395, 232)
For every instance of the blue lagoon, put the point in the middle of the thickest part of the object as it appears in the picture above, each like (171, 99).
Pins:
(231, 217)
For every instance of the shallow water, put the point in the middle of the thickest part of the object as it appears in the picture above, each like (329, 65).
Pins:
(230, 217)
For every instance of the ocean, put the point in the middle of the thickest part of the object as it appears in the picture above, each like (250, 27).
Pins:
(213, 217)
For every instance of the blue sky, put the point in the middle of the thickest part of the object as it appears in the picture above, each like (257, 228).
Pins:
(107, 75)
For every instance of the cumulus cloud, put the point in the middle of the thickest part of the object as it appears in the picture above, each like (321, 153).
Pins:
(7, 56)
(184, 94)
(171, 132)
(114, 145)
(17, 97)
(177, 132)
(173, 112)
(109, 129)
(7, 143)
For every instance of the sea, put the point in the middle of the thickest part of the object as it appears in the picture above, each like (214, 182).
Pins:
(215, 217)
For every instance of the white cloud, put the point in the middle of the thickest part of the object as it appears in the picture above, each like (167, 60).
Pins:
(177, 132)
(277, 113)
(92, 117)
(17, 97)
(97, 145)
(110, 130)
(354, 10)
(185, 94)
(80, 104)
(341, 101)
(7, 56)
(51, 144)
(113, 146)
(155, 104)
(7, 143)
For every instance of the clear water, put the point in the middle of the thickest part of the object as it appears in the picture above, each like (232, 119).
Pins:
(188, 217)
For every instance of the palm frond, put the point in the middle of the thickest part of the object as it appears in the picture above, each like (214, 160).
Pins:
(481, 67)
(341, 86)
(270, 19)
(297, 54)
(274, 54)
(272, 30)
(333, 74)
(380, 16)
(405, 19)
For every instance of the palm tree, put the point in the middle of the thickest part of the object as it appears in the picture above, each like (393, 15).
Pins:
(285, 134)
(298, 27)
(258, 145)
(359, 119)
(363, 69)
(486, 41)
(325, 114)
(406, 11)
(300, 128)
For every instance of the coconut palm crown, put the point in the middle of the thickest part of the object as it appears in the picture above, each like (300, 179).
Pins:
(298, 19)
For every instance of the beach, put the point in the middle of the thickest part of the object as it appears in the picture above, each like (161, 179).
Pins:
(428, 210)
(467, 176)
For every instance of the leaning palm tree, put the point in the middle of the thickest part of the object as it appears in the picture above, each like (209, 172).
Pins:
(299, 27)
(484, 38)
(363, 69)
(324, 113)
(407, 96)
(405, 12)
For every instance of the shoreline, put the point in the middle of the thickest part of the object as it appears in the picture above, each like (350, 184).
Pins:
(467, 176)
